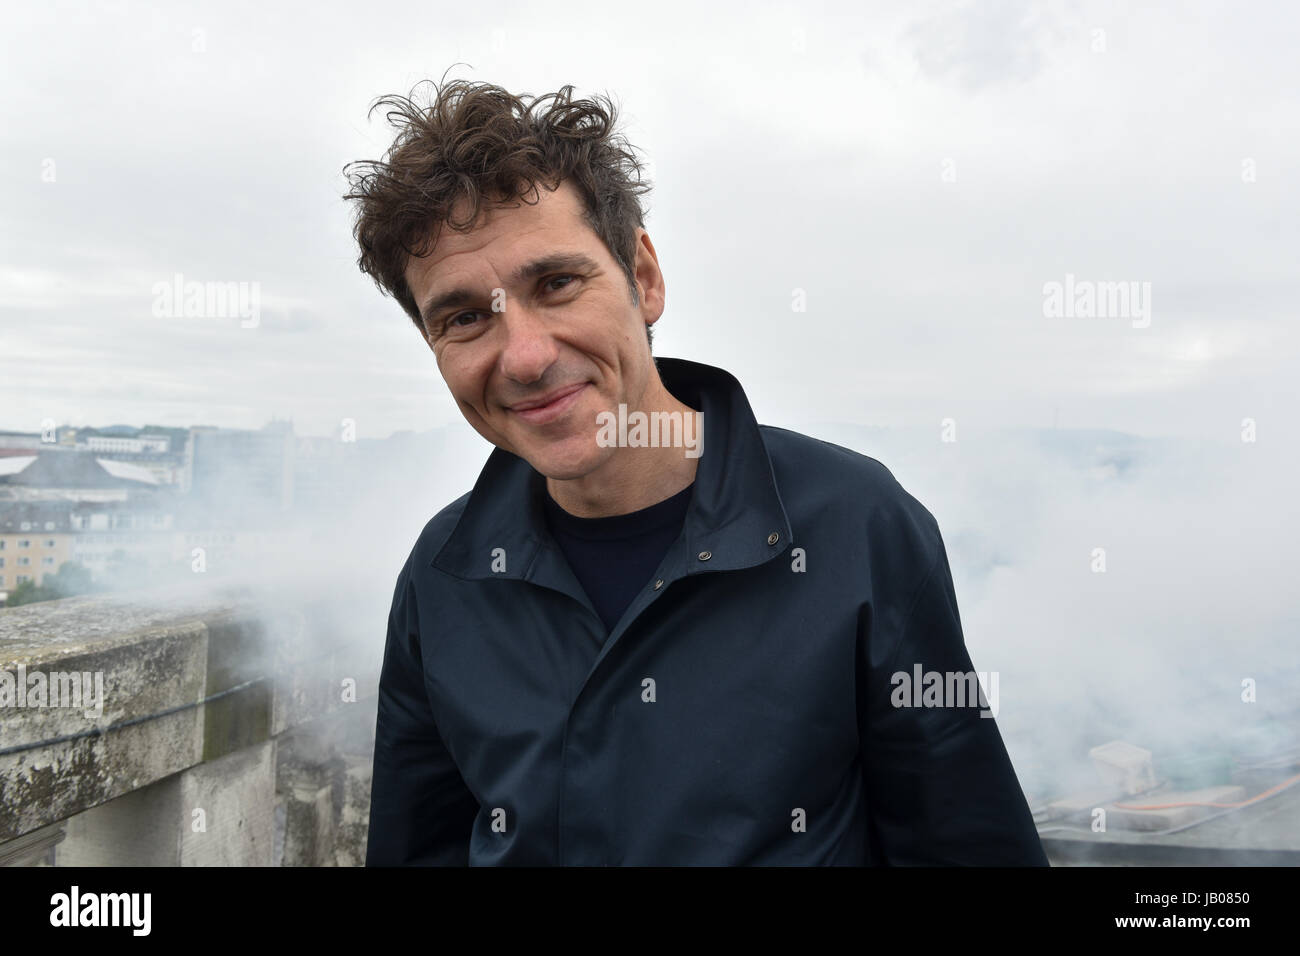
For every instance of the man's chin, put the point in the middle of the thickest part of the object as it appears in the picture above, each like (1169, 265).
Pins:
(565, 465)
(566, 472)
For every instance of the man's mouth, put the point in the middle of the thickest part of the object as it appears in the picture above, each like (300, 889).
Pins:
(549, 407)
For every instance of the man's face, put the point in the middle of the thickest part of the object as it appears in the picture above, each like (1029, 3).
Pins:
(532, 324)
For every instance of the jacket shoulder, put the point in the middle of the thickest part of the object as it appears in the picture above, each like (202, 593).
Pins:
(830, 459)
(842, 468)
(856, 488)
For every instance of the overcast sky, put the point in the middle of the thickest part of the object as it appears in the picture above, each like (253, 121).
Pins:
(920, 171)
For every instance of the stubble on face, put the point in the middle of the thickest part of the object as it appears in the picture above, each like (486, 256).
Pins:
(572, 325)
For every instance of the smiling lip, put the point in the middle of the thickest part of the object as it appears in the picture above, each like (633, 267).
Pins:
(550, 407)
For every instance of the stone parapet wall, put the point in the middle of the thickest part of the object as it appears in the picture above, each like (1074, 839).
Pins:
(220, 733)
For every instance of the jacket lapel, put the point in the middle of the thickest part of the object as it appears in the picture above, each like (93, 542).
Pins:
(736, 517)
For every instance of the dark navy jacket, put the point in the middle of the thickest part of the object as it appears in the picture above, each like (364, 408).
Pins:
(742, 710)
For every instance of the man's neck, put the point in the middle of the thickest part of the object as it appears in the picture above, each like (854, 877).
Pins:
(634, 477)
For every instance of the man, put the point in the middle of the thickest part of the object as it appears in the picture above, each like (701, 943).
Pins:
(635, 644)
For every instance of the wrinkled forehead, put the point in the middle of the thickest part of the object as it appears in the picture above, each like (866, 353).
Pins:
(513, 229)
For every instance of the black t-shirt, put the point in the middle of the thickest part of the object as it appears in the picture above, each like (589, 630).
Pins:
(614, 557)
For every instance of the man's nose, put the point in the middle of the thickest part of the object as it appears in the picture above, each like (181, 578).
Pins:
(529, 349)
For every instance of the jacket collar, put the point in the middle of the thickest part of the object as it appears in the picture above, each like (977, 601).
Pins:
(735, 507)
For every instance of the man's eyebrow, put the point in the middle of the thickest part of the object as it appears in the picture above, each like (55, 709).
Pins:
(556, 262)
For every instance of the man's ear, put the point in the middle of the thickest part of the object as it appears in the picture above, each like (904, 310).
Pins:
(649, 277)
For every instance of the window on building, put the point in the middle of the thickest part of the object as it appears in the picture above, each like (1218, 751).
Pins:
(49, 542)
(24, 542)
(24, 562)
(48, 562)
(24, 578)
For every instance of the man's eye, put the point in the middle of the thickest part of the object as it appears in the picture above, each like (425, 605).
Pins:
(454, 321)
(557, 278)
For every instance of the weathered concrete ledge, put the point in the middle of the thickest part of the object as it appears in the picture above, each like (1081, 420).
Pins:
(209, 730)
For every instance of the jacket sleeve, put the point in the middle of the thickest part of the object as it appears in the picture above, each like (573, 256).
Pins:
(940, 786)
(421, 812)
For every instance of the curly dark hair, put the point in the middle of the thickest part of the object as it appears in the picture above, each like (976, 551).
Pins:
(480, 143)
